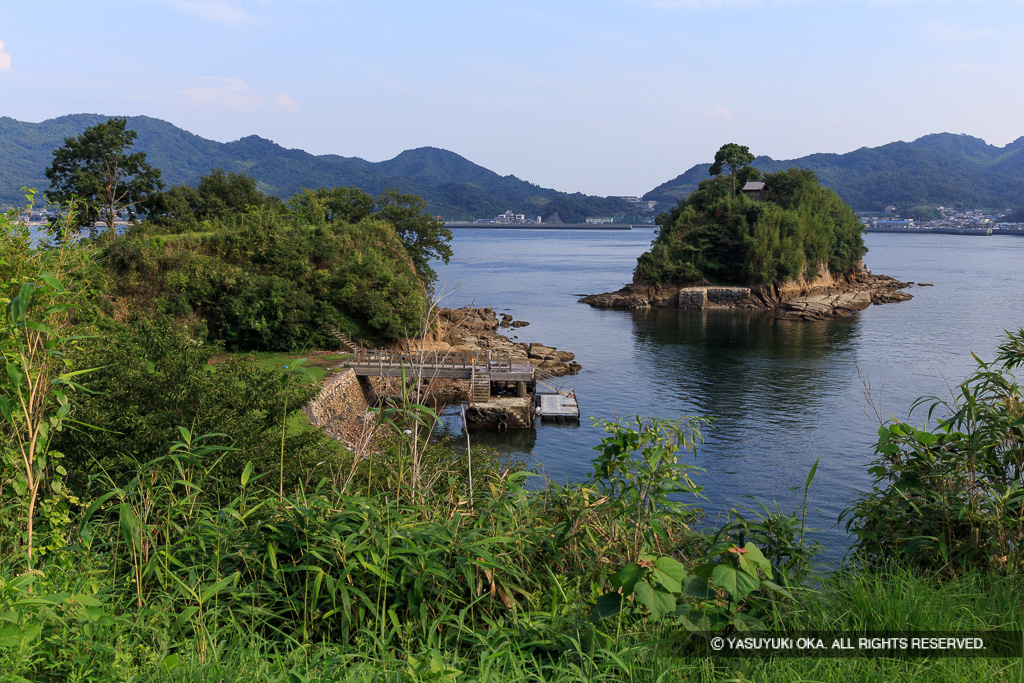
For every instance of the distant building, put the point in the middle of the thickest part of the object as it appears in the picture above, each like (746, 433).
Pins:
(601, 220)
(755, 189)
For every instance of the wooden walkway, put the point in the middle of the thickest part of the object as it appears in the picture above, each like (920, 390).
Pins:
(479, 367)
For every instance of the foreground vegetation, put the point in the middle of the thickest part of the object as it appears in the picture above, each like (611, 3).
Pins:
(162, 518)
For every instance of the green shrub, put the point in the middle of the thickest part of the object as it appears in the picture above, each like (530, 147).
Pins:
(951, 497)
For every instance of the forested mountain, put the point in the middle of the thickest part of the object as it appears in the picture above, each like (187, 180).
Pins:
(452, 186)
(940, 169)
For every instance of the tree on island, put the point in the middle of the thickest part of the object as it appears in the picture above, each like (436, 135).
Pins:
(97, 168)
(733, 157)
(220, 195)
(424, 236)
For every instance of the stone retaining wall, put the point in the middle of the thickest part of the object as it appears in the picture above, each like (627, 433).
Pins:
(701, 297)
(339, 408)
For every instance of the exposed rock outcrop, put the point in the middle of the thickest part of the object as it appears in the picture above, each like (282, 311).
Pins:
(824, 297)
(475, 329)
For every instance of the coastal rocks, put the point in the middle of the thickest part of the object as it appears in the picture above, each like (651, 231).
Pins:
(551, 361)
(823, 297)
(469, 318)
(475, 329)
(843, 297)
(634, 296)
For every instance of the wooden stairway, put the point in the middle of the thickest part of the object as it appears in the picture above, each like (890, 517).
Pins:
(480, 385)
(346, 342)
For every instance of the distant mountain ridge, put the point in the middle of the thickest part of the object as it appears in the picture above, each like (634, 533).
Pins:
(943, 168)
(938, 169)
(453, 186)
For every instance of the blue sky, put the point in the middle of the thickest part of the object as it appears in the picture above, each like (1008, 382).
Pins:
(603, 97)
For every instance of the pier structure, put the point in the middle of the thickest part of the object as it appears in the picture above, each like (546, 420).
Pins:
(501, 391)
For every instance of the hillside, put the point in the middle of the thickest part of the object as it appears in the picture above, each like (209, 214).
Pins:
(453, 187)
(940, 169)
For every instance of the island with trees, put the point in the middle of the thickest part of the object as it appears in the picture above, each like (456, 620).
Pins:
(780, 241)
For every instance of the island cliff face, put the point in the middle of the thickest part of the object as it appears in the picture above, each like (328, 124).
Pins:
(818, 299)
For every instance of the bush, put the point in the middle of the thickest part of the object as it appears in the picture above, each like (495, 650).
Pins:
(950, 497)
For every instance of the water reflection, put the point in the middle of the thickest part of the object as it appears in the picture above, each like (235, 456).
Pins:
(734, 365)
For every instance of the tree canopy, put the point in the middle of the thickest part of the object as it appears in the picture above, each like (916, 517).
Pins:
(98, 168)
(732, 157)
(218, 196)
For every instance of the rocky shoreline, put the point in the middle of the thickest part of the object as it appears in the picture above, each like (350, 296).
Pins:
(820, 299)
(476, 329)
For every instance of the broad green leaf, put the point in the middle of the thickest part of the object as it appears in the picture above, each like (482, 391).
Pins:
(87, 600)
(53, 282)
(19, 305)
(755, 555)
(272, 551)
(658, 602)
(670, 573)
(607, 605)
(776, 588)
(696, 587)
(217, 587)
(169, 663)
(745, 622)
(810, 475)
(738, 584)
(15, 373)
(40, 327)
(627, 577)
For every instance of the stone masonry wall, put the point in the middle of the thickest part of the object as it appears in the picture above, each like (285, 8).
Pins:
(339, 408)
(714, 297)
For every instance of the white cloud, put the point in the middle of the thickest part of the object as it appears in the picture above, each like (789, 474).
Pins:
(230, 93)
(285, 101)
(973, 67)
(718, 112)
(234, 94)
(5, 59)
(947, 34)
(213, 10)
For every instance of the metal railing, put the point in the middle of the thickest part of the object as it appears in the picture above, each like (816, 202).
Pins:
(390, 359)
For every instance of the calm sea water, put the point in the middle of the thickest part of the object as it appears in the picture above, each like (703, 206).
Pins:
(780, 394)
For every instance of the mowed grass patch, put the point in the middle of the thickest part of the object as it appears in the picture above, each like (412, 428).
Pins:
(319, 364)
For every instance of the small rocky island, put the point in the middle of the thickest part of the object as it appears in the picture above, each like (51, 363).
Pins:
(781, 242)
(816, 300)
